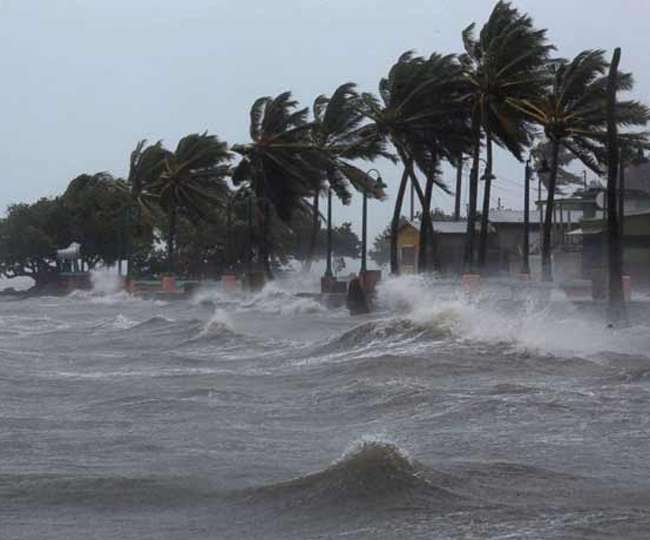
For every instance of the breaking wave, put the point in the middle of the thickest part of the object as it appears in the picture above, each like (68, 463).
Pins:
(372, 471)
(509, 314)
(275, 299)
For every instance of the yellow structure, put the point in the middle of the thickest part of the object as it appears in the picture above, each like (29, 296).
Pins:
(408, 245)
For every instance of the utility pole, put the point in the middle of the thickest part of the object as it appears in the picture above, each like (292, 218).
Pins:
(616, 305)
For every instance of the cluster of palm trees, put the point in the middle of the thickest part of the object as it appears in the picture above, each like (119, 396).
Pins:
(505, 89)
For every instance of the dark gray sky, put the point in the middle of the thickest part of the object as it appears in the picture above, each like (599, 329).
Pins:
(84, 80)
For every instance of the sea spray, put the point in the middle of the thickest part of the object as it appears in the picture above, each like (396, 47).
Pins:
(498, 315)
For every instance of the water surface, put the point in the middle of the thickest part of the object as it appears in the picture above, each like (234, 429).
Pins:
(268, 416)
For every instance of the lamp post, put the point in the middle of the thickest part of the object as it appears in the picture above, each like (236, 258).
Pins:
(525, 267)
(364, 219)
(328, 269)
(249, 258)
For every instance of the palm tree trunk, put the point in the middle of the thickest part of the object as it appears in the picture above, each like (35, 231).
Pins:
(313, 239)
(473, 196)
(616, 306)
(459, 186)
(547, 269)
(426, 228)
(265, 215)
(482, 243)
(394, 226)
(171, 239)
(621, 199)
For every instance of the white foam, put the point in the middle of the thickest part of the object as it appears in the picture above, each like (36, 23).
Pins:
(556, 328)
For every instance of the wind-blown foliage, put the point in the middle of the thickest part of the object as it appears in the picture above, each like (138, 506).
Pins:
(573, 116)
(338, 130)
(190, 182)
(280, 164)
(504, 65)
(409, 115)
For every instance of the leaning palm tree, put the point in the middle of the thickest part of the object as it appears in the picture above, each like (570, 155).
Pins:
(402, 117)
(541, 154)
(146, 164)
(445, 134)
(191, 182)
(338, 130)
(281, 164)
(573, 116)
(503, 64)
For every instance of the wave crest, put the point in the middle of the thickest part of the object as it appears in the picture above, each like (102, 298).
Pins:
(372, 471)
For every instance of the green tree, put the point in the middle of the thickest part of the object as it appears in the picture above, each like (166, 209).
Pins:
(95, 205)
(30, 234)
(573, 116)
(503, 65)
(405, 117)
(338, 131)
(281, 165)
(191, 183)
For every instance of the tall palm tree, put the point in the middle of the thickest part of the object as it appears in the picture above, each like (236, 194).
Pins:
(281, 164)
(573, 115)
(146, 164)
(191, 182)
(445, 135)
(338, 131)
(503, 64)
(403, 117)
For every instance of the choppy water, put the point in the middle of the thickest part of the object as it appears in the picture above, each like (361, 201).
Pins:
(270, 417)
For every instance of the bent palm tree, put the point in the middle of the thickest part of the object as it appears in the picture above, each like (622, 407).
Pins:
(502, 65)
(338, 131)
(280, 164)
(403, 117)
(191, 182)
(573, 116)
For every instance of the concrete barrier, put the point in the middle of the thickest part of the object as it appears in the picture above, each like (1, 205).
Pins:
(169, 283)
(471, 283)
(627, 288)
(369, 280)
(229, 282)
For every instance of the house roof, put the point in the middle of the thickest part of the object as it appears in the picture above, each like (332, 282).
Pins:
(503, 215)
(445, 227)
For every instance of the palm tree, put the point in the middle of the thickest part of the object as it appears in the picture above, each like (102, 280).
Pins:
(404, 118)
(502, 65)
(338, 131)
(281, 164)
(191, 182)
(146, 164)
(573, 116)
(445, 135)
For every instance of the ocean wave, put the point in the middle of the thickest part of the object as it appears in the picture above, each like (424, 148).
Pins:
(275, 299)
(555, 327)
(91, 490)
(219, 325)
(372, 471)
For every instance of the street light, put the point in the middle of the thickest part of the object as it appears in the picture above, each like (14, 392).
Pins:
(328, 269)
(364, 219)
(525, 267)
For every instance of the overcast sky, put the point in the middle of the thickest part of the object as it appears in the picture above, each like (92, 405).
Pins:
(84, 80)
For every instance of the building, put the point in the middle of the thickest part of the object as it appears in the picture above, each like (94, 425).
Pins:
(636, 247)
(448, 242)
(505, 252)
